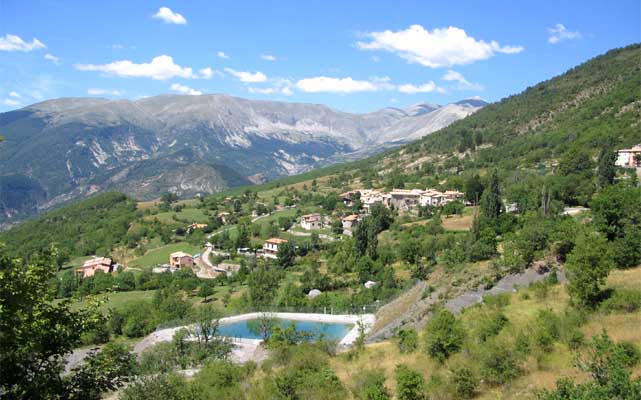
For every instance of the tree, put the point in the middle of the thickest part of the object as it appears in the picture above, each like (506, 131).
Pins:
(286, 254)
(206, 326)
(608, 363)
(491, 203)
(607, 169)
(262, 284)
(242, 237)
(263, 325)
(444, 335)
(205, 290)
(104, 370)
(588, 266)
(410, 384)
(337, 227)
(381, 217)
(473, 189)
(36, 334)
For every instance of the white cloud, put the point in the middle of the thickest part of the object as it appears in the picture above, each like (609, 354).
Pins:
(222, 54)
(559, 32)
(12, 102)
(185, 89)
(15, 95)
(247, 77)
(280, 86)
(335, 85)
(103, 92)
(160, 68)
(207, 73)
(462, 83)
(15, 43)
(169, 17)
(441, 47)
(409, 88)
(268, 57)
(52, 58)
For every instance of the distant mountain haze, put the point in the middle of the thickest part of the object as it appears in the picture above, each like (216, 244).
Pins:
(65, 149)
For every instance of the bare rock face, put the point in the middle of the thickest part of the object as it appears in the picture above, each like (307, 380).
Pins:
(63, 149)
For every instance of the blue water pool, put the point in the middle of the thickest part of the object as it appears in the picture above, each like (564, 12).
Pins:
(328, 330)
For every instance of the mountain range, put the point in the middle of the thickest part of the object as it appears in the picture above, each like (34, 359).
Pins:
(64, 149)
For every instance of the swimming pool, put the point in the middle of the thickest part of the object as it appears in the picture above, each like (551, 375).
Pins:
(247, 330)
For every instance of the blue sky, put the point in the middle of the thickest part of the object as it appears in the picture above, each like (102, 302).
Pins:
(355, 56)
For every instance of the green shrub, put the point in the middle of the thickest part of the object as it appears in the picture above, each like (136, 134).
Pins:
(410, 384)
(499, 363)
(464, 382)
(444, 335)
(407, 340)
(370, 385)
(490, 325)
(623, 300)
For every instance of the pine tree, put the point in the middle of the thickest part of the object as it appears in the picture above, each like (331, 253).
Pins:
(606, 168)
(491, 204)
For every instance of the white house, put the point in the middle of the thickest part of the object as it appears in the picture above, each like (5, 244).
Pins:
(629, 158)
(311, 221)
(272, 246)
(349, 223)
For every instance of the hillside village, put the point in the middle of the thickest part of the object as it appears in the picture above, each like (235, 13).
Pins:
(497, 258)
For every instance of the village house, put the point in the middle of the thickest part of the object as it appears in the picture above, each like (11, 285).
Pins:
(180, 259)
(272, 246)
(349, 223)
(629, 158)
(223, 216)
(90, 267)
(194, 226)
(405, 200)
(435, 198)
(348, 198)
(371, 197)
(311, 221)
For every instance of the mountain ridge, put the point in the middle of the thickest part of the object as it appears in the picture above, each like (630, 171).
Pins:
(62, 149)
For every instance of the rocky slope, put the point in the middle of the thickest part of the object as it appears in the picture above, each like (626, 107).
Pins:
(63, 149)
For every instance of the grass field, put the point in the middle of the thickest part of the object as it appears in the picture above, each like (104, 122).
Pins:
(457, 222)
(186, 214)
(161, 254)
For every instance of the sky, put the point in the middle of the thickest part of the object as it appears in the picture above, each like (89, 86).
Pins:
(355, 56)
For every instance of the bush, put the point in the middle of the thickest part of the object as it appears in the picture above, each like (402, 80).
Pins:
(407, 340)
(410, 385)
(499, 363)
(490, 325)
(464, 382)
(370, 385)
(574, 339)
(623, 300)
(444, 335)
(548, 329)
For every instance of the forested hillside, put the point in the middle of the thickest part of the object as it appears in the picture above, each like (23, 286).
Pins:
(589, 106)
(91, 226)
